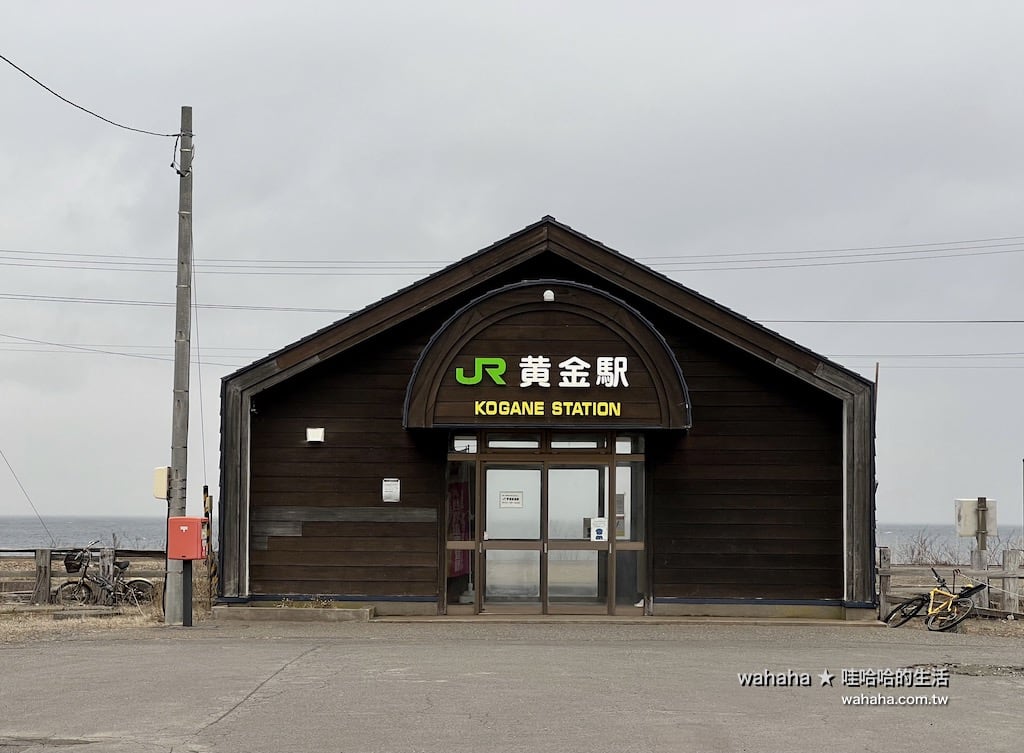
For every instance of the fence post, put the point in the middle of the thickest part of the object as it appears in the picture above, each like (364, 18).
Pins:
(41, 594)
(981, 598)
(107, 563)
(884, 578)
(1012, 560)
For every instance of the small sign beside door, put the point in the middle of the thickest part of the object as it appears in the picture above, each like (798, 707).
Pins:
(599, 529)
(510, 499)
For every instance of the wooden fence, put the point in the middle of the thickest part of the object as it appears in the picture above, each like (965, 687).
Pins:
(37, 585)
(1004, 596)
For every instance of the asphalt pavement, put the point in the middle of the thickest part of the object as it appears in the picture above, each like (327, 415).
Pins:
(517, 686)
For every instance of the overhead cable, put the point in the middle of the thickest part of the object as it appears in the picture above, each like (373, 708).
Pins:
(83, 109)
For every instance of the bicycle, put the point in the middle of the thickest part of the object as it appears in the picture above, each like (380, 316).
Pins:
(113, 591)
(946, 607)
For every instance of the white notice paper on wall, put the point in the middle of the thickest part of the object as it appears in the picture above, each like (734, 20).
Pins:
(391, 491)
(510, 499)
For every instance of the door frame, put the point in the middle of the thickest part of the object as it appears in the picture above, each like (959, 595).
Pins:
(477, 450)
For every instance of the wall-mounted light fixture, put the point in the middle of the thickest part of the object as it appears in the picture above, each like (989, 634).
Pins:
(549, 296)
(315, 435)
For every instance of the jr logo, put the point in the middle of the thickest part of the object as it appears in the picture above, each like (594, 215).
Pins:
(494, 367)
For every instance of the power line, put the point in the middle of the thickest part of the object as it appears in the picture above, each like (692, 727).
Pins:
(83, 109)
(374, 269)
(836, 261)
(100, 351)
(315, 310)
(53, 541)
(226, 351)
(309, 272)
(57, 350)
(891, 321)
(1015, 354)
(245, 261)
(971, 367)
(199, 360)
(164, 304)
(960, 243)
(677, 262)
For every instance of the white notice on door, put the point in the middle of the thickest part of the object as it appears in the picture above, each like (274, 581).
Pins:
(510, 499)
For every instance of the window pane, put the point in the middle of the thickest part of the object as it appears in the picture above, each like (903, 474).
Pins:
(577, 577)
(513, 441)
(461, 577)
(460, 498)
(513, 503)
(512, 577)
(576, 495)
(629, 501)
(629, 578)
(629, 444)
(463, 443)
(579, 441)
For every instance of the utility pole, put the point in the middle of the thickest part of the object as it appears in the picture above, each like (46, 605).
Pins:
(173, 610)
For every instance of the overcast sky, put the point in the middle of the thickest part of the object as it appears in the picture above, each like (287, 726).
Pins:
(732, 146)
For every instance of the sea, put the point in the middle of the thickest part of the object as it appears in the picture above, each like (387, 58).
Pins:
(68, 531)
(918, 543)
(905, 540)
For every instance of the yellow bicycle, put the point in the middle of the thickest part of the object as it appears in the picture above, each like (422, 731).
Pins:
(946, 606)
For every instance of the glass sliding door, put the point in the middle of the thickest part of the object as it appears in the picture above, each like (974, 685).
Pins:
(578, 539)
(512, 543)
(546, 523)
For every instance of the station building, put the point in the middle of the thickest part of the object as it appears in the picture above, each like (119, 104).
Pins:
(548, 426)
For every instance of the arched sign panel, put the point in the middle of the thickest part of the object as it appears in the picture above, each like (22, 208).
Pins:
(547, 354)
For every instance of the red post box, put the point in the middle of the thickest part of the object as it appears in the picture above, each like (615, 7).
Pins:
(185, 538)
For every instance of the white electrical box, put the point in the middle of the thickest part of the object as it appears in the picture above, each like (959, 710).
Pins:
(162, 482)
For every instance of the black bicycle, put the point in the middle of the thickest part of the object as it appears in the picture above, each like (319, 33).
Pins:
(93, 588)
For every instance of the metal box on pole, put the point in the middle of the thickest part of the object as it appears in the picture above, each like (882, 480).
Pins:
(185, 538)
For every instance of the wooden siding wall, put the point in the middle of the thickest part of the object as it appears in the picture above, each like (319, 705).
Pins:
(749, 502)
(318, 524)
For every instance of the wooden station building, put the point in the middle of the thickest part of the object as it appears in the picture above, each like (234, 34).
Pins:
(548, 426)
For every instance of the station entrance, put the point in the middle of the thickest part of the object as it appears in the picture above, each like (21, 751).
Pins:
(546, 523)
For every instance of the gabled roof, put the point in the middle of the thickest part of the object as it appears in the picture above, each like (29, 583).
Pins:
(549, 236)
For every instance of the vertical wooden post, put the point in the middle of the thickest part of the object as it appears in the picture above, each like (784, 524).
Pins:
(884, 580)
(41, 594)
(107, 563)
(1012, 561)
(211, 558)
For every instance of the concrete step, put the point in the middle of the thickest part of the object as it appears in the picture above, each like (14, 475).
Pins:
(250, 613)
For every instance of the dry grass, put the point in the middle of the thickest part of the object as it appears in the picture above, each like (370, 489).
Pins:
(21, 623)
(17, 626)
(924, 548)
(905, 585)
(16, 564)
